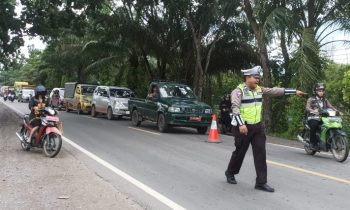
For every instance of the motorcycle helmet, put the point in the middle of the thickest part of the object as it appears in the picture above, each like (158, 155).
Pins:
(40, 90)
(319, 86)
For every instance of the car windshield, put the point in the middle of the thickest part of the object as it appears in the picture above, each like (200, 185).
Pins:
(176, 91)
(87, 90)
(121, 93)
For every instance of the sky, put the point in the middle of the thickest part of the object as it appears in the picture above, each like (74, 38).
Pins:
(339, 52)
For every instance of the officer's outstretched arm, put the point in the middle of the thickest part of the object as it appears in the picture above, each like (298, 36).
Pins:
(281, 91)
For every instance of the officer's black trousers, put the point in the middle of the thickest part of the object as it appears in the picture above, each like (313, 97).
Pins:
(256, 137)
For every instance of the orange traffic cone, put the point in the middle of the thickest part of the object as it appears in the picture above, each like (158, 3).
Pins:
(213, 134)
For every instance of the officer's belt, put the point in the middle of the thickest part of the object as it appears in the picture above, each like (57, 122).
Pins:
(251, 123)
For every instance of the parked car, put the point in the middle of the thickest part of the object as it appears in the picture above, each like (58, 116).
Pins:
(112, 101)
(171, 104)
(78, 97)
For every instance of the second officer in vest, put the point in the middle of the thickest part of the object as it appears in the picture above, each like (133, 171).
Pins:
(246, 108)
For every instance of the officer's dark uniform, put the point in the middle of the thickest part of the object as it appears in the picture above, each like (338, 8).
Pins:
(246, 109)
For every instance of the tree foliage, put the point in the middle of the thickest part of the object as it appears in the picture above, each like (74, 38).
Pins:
(10, 31)
(203, 43)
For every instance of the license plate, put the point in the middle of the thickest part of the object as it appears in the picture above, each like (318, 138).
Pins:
(127, 112)
(196, 119)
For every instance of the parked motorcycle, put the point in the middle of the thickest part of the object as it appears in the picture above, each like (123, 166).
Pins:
(49, 135)
(330, 136)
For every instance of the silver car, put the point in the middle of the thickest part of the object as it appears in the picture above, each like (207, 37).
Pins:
(112, 101)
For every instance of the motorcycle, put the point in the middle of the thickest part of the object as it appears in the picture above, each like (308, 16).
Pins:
(57, 103)
(49, 135)
(330, 136)
(226, 126)
(11, 97)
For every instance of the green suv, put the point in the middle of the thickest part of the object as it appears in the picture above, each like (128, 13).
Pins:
(171, 104)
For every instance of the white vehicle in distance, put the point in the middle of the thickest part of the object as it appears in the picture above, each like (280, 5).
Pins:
(112, 101)
(25, 95)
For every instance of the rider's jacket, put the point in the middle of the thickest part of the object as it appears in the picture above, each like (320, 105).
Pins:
(314, 105)
(225, 104)
(36, 111)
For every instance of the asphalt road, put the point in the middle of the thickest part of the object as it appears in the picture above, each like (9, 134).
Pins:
(181, 166)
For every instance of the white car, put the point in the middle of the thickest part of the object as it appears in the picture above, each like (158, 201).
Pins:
(111, 100)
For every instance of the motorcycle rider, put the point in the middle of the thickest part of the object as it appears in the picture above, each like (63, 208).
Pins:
(37, 103)
(314, 106)
(11, 96)
(225, 109)
(55, 99)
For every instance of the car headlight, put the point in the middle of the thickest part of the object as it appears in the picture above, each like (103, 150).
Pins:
(119, 105)
(207, 111)
(174, 109)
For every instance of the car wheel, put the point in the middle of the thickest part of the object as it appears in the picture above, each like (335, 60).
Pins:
(162, 126)
(135, 118)
(93, 111)
(110, 114)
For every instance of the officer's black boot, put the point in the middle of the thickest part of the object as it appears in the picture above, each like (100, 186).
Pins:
(264, 187)
(230, 178)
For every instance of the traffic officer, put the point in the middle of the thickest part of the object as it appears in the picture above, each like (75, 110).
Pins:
(246, 108)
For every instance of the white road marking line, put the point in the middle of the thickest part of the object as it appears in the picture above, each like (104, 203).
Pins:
(93, 118)
(280, 145)
(146, 131)
(127, 177)
(296, 148)
(309, 172)
(122, 174)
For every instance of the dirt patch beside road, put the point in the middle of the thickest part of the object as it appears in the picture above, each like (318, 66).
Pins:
(29, 180)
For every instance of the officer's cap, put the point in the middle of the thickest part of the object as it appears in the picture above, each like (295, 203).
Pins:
(255, 71)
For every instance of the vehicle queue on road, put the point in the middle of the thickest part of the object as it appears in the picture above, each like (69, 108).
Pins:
(167, 104)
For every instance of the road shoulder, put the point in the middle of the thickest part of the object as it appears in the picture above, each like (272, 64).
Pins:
(29, 180)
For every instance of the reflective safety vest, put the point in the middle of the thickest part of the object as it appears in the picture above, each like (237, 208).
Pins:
(251, 104)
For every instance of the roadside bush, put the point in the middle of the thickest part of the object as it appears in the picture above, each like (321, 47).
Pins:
(295, 114)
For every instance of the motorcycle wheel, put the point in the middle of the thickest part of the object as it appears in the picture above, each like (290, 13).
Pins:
(307, 148)
(52, 145)
(340, 148)
(25, 146)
